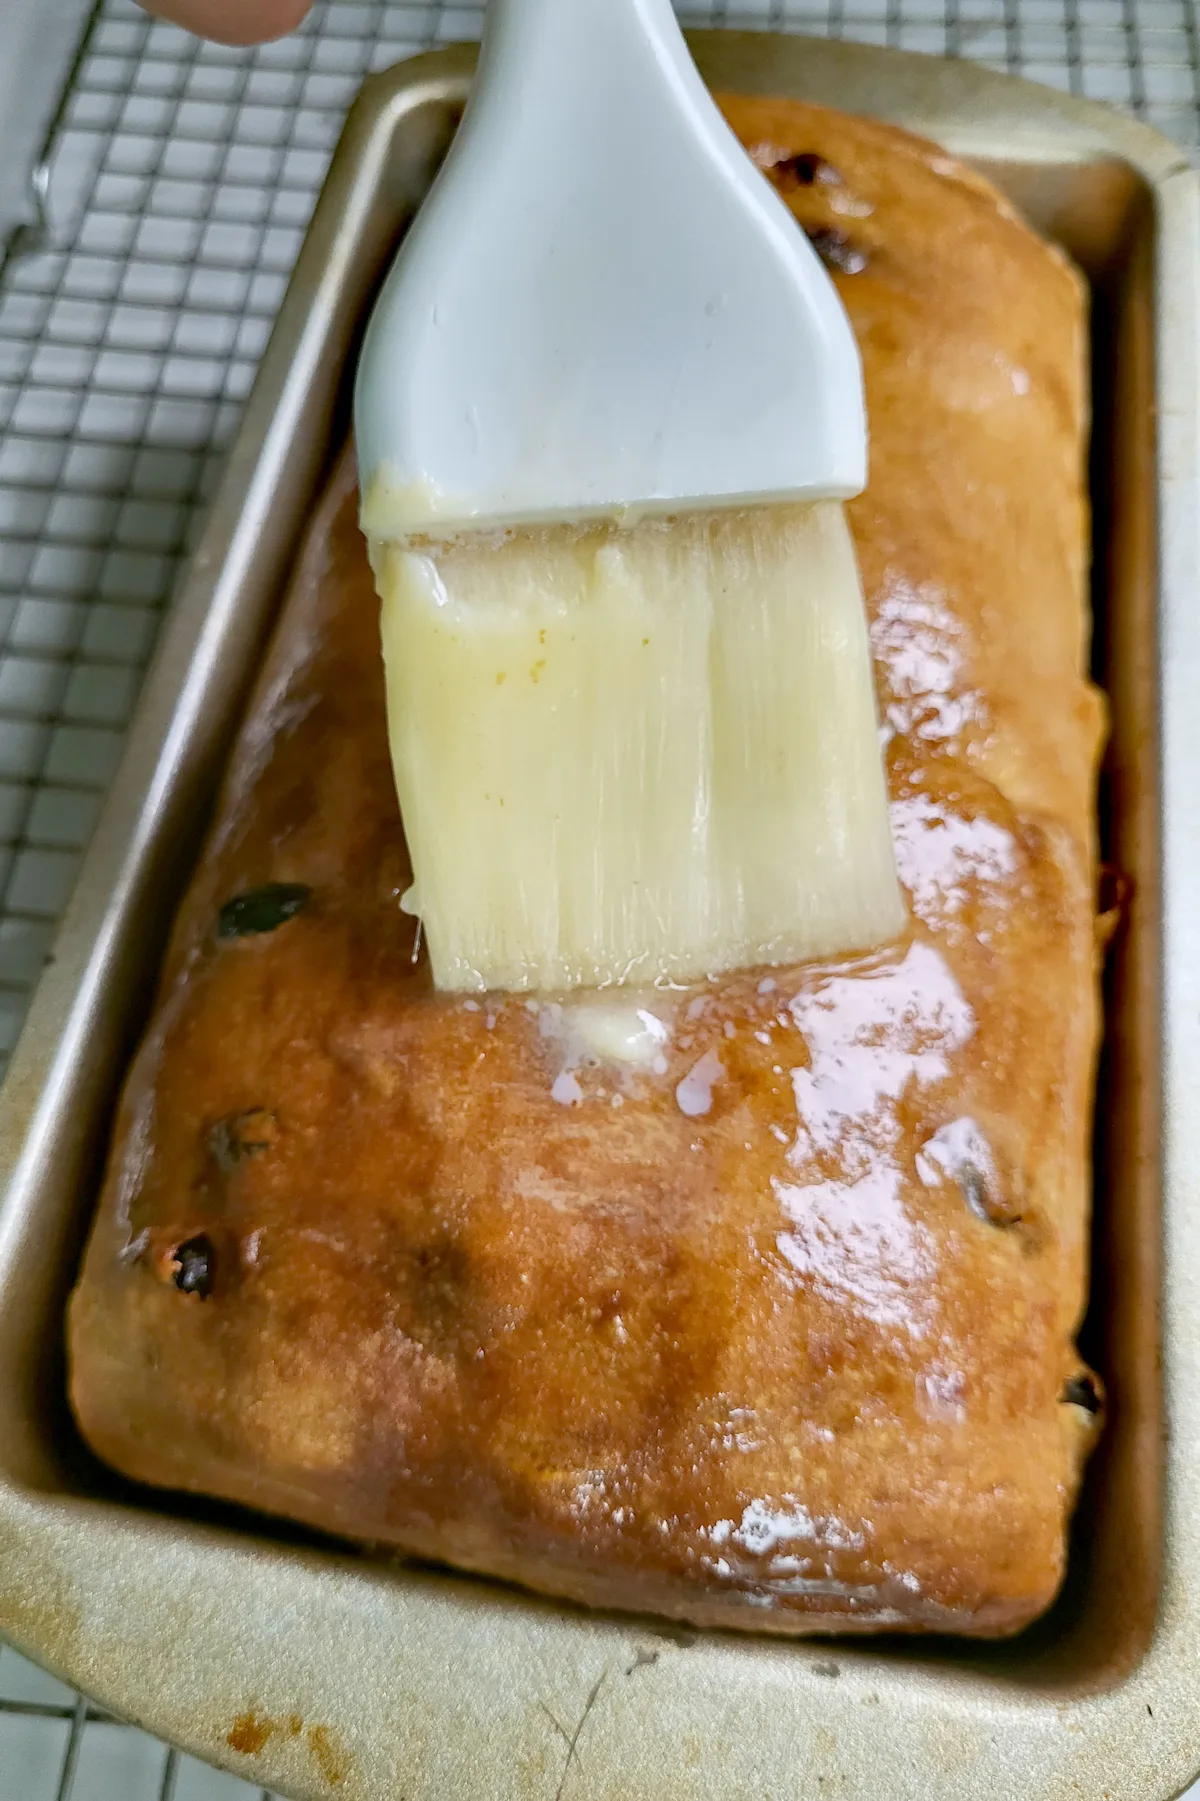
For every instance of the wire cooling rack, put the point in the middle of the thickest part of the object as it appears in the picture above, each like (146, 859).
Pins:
(174, 193)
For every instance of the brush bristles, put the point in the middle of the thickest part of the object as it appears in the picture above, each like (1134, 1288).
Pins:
(638, 754)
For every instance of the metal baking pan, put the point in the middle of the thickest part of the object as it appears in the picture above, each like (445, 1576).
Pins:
(316, 1672)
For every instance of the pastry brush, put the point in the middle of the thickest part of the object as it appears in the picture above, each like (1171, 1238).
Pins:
(607, 406)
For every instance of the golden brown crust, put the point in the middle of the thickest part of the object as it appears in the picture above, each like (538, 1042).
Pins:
(797, 1363)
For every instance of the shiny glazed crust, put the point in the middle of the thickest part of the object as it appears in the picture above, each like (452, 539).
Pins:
(796, 1363)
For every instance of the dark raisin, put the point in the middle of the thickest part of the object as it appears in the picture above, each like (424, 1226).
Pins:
(262, 909)
(1113, 890)
(194, 1264)
(836, 250)
(242, 1135)
(1081, 1392)
(977, 1192)
(981, 1197)
(437, 1304)
(1112, 903)
(974, 1189)
(808, 168)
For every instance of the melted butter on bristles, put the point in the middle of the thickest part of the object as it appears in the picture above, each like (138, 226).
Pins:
(641, 753)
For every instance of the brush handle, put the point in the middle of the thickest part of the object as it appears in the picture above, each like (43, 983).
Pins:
(576, 60)
(584, 35)
(602, 306)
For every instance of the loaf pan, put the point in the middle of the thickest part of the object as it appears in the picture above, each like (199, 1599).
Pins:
(314, 1671)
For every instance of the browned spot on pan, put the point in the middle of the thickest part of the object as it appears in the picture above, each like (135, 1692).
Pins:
(250, 1732)
(252, 1729)
(332, 1760)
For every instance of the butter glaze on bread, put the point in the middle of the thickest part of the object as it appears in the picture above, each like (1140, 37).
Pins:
(797, 1363)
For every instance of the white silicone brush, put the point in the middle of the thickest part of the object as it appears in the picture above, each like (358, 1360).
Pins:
(602, 307)
(607, 406)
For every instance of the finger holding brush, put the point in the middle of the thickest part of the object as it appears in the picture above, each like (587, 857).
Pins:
(233, 21)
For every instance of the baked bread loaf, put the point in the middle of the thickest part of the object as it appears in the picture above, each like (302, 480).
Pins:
(777, 1334)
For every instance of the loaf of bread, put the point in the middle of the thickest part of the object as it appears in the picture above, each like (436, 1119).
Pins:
(777, 1330)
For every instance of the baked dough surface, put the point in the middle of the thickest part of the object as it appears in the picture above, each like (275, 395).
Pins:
(793, 1363)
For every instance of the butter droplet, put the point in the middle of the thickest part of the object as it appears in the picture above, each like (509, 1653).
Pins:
(694, 1093)
(566, 1090)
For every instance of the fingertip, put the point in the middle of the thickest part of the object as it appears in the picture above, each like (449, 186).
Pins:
(234, 22)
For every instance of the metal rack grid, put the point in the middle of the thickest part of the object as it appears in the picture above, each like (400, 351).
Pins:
(179, 180)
